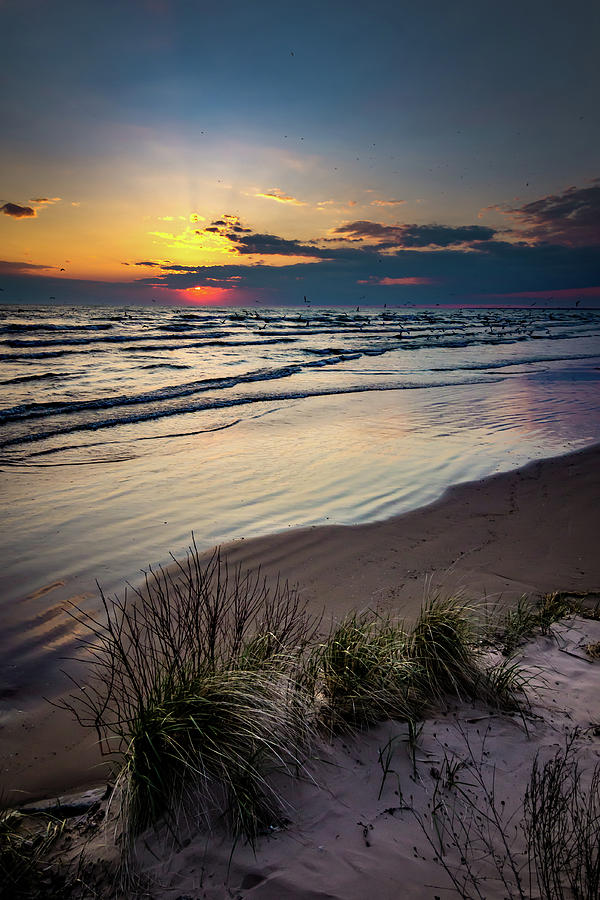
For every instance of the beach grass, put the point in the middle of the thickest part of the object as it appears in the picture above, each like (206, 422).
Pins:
(515, 625)
(445, 641)
(363, 673)
(543, 844)
(193, 688)
(206, 685)
(25, 870)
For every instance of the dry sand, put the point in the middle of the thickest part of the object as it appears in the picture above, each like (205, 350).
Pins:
(360, 821)
(347, 842)
(528, 531)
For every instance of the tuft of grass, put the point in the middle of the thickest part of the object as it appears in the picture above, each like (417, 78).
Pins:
(223, 734)
(558, 604)
(518, 623)
(193, 688)
(562, 820)
(444, 641)
(504, 685)
(554, 607)
(25, 871)
(521, 621)
(371, 668)
(362, 673)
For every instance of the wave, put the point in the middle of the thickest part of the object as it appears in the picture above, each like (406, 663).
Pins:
(208, 404)
(326, 357)
(100, 339)
(20, 327)
(36, 410)
(504, 363)
(42, 376)
(165, 365)
(10, 357)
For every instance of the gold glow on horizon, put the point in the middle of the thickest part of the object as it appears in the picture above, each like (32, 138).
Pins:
(205, 295)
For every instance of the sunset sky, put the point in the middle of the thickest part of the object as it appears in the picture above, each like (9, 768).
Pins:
(195, 152)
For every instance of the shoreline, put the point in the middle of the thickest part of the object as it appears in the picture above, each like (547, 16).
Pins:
(529, 531)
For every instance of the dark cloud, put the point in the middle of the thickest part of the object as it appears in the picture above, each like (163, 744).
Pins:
(413, 275)
(572, 217)
(420, 263)
(271, 244)
(369, 262)
(498, 270)
(18, 212)
(247, 242)
(406, 236)
(13, 268)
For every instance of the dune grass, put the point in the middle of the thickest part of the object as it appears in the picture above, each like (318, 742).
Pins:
(521, 621)
(193, 686)
(362, 673)
(206, 685)
(543, 844)
(562, 822)
(445, 640)
(25, 870)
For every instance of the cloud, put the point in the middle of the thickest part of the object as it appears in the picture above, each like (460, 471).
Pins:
(15, 268)
(389, 282)
(46, 201)
(248, 242)
(344, 275)
(387, 202)
(17, 211)
(571, 218)
(406, 236)
(279, 197)
(271, 244)
(367, 261)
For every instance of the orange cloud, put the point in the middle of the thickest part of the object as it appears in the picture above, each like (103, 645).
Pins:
(387, 202)
(410, 280)
(46, 201)
(280, 197)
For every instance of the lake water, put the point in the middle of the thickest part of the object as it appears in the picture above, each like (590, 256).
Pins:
(124, 430)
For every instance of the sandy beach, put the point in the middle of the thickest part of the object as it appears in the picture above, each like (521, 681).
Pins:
(299, 451)
(523, 532)
(360, 820)
(357, 830)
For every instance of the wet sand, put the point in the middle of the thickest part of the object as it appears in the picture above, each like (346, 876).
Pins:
(528, 531)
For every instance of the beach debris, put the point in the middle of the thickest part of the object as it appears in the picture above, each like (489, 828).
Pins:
(68, 805)
(593, 650)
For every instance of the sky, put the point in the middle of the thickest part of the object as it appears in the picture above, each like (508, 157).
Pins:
(261, 152)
